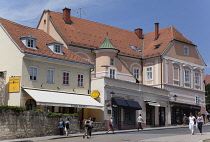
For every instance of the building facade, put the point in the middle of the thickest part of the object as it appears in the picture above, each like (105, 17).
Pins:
(39, 72)
(163, 59)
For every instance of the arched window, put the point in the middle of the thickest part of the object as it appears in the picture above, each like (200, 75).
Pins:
(30, 104)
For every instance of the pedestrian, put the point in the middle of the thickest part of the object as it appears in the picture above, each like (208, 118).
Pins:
(61, 126)
(191, 123)
(110, 125)
(67, 123)
(200, 121)
(87, 124)
(185, 119)
(139, 120)
(90, 127)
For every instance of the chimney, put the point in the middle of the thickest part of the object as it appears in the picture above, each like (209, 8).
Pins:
(156, 31)
(139, 33)
(66, 15)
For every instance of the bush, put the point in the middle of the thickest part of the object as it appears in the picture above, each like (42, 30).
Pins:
(13, 108)
(52, 114)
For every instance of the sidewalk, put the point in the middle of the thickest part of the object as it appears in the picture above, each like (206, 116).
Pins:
(179, 138)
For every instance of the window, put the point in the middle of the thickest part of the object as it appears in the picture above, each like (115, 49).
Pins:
(66, 76)
(176, 73)
(50, 75)
(135, 48)
(112, 62)
(112, 73)
(197, 78)
(149, 73)
(57, 49)
(186, 76)
(33, 73)
(186, 50)
(136, 72)
(129, 116)
(30, 43)
(197, 100)
(80, 80)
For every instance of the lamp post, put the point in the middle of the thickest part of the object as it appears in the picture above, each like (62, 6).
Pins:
(175, 97)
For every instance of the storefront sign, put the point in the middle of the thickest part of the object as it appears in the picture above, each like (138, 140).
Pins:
(95, 94)
(14, 84)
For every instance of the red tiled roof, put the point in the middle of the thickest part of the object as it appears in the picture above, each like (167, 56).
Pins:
(16, 31)
(207, 79)
(90, 34)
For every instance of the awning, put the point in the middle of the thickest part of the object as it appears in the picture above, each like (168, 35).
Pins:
(119, 102)
(133, 104)
(154, 104)
(50, 98)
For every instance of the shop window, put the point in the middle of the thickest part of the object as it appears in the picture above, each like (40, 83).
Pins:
(129, 117)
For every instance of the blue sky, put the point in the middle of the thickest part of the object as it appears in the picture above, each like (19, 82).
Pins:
(190, 17)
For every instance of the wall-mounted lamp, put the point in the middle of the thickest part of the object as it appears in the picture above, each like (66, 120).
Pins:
(175, 97)
(112, 93)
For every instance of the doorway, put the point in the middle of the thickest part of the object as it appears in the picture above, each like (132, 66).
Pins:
(117, 117)
(150, 115)
(161, 116)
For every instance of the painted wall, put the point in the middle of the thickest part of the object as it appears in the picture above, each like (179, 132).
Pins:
(11, 62)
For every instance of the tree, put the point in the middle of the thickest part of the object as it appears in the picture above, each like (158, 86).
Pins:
(207, 95)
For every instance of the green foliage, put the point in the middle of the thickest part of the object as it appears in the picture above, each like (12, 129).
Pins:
(53, 114)
(13, 108)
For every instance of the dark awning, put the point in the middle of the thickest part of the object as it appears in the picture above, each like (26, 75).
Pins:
(119, 102)
(133, 104)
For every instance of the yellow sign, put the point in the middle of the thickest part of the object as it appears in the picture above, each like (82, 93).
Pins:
(95, 94)
(14, 84)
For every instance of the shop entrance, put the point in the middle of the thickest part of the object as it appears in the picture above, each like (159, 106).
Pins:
(150, 115)
(161, 116)
(117, 117)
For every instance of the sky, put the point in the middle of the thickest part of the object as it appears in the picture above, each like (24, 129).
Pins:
(190, 17)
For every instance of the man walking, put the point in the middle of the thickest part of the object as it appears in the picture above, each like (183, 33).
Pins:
(139, 120)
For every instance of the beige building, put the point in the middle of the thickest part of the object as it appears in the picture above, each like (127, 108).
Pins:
(39, 72)
(119, 69)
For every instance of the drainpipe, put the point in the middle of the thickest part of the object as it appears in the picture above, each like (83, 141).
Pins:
(142, 58)
(161, 74)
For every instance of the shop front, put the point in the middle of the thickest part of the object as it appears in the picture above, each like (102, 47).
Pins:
(178, 110)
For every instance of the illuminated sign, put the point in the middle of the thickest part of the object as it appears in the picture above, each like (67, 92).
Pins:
(95, 94)
(14, 84)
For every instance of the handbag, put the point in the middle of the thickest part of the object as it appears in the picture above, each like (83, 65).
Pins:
(110, 123)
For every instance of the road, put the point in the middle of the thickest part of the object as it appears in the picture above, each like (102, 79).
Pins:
(132, 136)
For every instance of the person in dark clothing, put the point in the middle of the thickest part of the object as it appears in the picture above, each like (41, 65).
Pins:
(61, 126)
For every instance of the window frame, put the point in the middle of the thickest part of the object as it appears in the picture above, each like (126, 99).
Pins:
(111, 75)
(33, 73)
(186, 48)
(199, 78)
(197, 100)
(151, 73)
(56, 47)
(28, 43)
(68, 78)
(53, 76)
(178, 73)
(134, 73)
(187, 82)
(112, 61)
(79, 83)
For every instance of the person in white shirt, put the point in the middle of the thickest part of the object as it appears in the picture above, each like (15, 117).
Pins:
(110, 126)
(200, 122)
(139, 120)
(191, 123)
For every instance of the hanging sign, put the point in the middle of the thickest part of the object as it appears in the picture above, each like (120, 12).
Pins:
(95, 94)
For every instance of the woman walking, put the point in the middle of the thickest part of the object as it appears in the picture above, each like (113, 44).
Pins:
(191, 123)
(67, 123)
(61, 125)
(87, 125)
(90, 127)
(110, 126)
(200, 122)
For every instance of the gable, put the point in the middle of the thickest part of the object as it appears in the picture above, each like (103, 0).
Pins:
(177, 51)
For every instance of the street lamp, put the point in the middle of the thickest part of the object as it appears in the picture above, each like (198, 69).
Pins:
(175, 97)
(112, 93)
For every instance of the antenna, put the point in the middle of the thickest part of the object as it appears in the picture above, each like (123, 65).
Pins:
(80, 11)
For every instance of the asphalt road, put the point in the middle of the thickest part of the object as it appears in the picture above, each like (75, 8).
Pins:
(132, 136)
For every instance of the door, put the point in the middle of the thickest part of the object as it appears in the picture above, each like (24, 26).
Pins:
(150, 115)
(117, 117)
(162, 116)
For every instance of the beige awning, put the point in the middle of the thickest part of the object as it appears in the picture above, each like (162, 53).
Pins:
(52, 98)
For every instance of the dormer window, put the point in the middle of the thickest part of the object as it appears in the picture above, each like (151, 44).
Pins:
(29, 41)
(56, 47)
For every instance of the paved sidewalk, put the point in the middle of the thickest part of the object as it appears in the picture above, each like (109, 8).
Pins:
(177, 138)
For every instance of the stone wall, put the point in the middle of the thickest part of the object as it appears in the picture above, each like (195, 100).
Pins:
(2, 87)
(29, 124)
